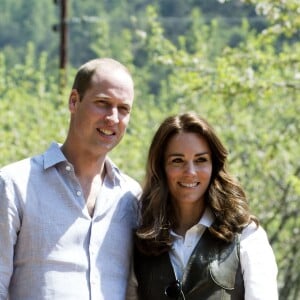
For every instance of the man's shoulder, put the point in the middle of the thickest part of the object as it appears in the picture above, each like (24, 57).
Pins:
(19, 169)
(17, 165)
(23, 167)
(126, 182)
(130, 180)
(129, 183)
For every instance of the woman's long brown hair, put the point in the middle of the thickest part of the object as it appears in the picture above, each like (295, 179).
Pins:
(224, 196)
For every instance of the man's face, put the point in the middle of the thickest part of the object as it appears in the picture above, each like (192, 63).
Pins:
(100, 118)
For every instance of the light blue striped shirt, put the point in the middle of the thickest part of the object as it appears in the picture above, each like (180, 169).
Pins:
(51, 248)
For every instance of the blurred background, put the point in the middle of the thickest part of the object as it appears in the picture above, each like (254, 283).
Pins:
(236, 63)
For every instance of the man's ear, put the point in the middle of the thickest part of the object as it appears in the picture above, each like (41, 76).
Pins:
(73, 100)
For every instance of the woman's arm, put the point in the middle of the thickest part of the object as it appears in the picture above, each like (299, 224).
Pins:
(258, 264)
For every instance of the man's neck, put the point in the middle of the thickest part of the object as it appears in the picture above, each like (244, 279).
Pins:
(86, 164)
(90, 172)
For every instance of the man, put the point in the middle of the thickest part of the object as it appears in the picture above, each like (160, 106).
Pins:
(66, 217)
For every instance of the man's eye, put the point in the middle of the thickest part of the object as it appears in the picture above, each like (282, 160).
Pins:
(102, 102)
(124, 109)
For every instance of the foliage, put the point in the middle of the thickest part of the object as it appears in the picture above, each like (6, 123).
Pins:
(283, 15)
(32, 113)
(24, 21)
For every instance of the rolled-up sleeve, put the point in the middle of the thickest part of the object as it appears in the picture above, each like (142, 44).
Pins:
(258, 265)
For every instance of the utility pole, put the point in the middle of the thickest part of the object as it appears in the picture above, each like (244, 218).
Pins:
(63, 34)
(62, 27)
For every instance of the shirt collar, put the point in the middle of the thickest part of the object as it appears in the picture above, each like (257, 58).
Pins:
(205, 221)
(207, 218)
(112, 172)
(54, 156)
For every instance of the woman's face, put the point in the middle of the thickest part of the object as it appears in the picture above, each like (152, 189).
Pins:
(188, 167)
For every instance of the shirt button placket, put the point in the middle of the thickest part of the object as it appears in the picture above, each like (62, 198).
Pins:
(94, 278)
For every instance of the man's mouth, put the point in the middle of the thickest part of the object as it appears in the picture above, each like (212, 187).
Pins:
(106, 132)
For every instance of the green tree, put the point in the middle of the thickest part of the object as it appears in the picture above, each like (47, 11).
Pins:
(248, 89)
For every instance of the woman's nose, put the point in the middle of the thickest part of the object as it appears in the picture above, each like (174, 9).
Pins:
(190, 168)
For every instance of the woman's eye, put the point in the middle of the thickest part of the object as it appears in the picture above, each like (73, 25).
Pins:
(202, 159)
(176, 160)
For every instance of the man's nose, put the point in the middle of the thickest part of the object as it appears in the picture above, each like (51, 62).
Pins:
(112, 115)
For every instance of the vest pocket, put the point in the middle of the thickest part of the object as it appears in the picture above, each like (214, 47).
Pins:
(224, 272)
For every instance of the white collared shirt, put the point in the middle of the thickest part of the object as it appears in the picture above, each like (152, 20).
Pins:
(258, 262)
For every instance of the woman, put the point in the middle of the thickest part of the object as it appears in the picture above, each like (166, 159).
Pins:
(197, 238)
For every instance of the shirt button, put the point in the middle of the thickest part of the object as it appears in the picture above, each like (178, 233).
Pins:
(92, 282)
(68, 168)
(78, 193)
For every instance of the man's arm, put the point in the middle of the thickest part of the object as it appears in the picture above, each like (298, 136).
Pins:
(9, 227)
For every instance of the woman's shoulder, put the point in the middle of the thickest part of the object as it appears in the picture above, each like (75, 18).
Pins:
(253, 232)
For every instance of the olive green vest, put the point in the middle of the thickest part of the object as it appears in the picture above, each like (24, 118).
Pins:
(213, 272)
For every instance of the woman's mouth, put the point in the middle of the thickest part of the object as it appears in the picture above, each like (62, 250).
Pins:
(188, 185)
